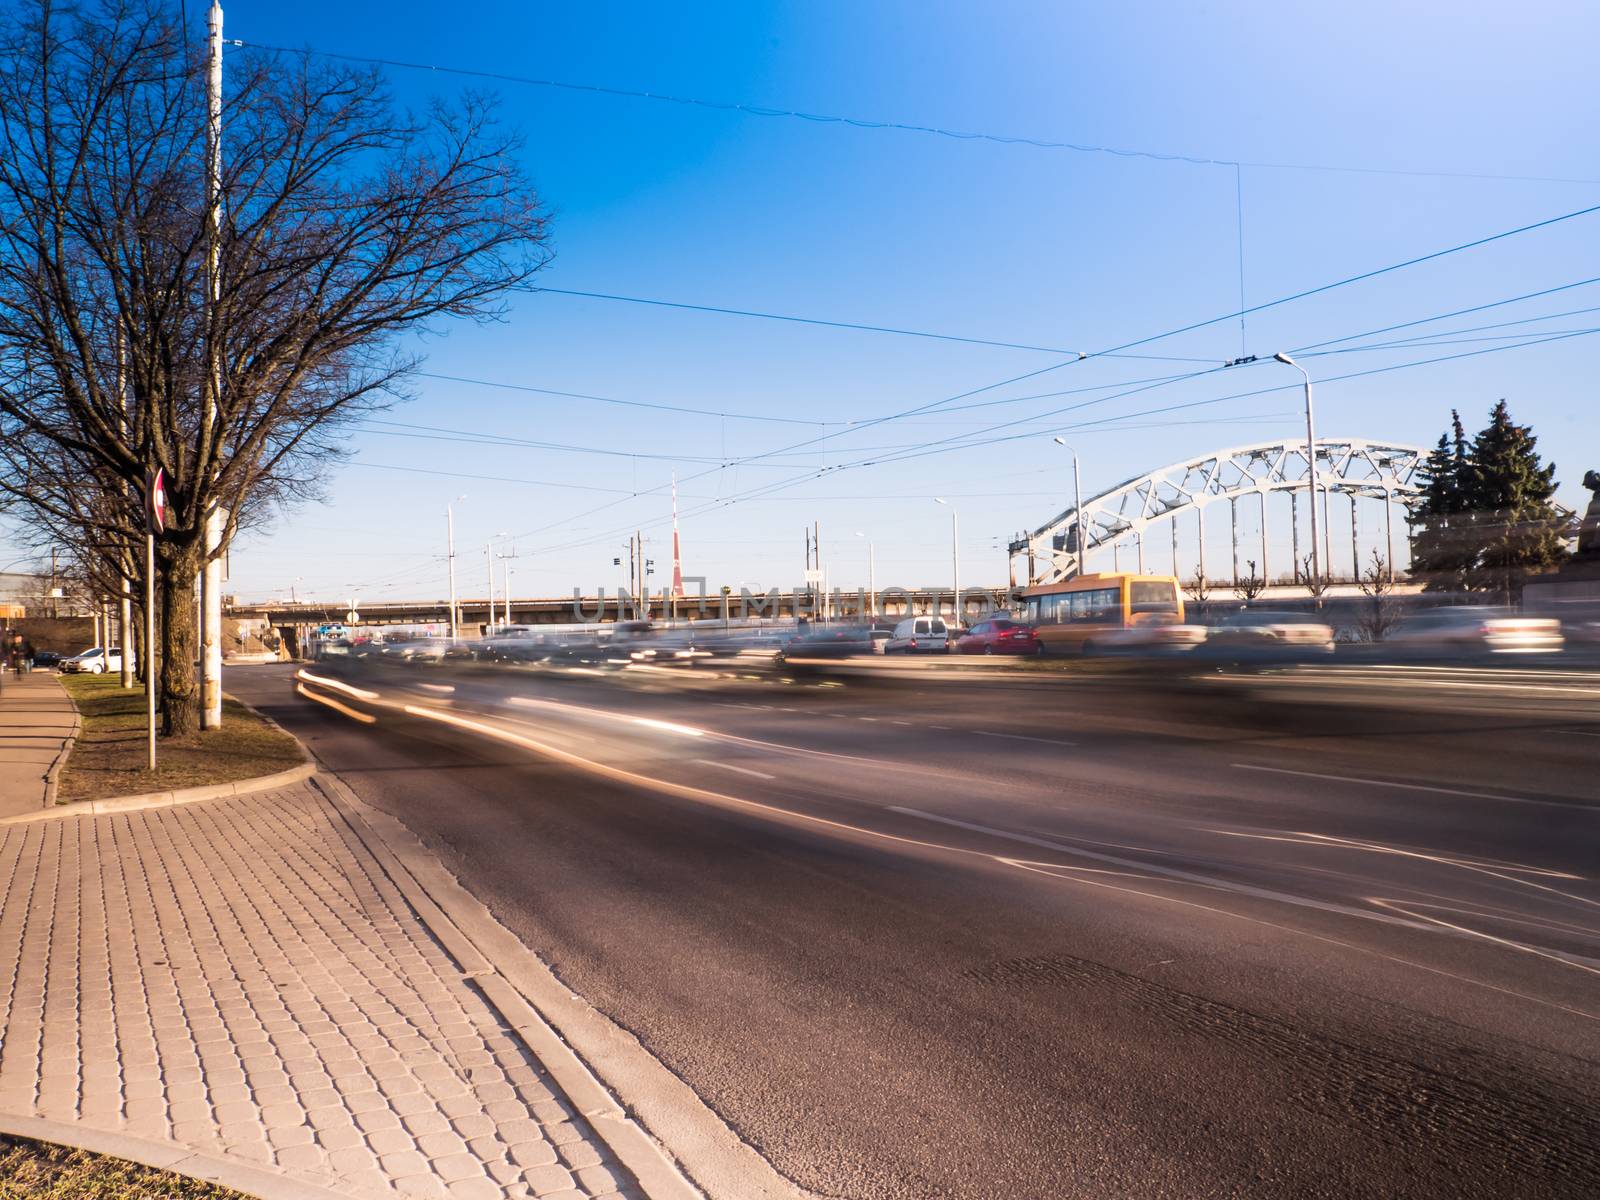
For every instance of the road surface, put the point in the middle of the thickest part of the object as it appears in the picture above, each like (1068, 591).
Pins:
(1317, 932)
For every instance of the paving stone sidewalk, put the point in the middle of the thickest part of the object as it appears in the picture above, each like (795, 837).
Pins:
(240, 978)
(36, 719)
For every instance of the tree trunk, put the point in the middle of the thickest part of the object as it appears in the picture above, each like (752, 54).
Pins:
(180, 694)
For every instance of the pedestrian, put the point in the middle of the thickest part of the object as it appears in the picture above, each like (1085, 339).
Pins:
(27, 656)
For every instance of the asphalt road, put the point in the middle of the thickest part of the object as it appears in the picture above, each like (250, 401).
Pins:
(1324, 932)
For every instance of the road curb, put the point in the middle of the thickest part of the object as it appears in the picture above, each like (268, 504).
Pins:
(53, 775)
(166, 1156)
(657, 1127)
(210, 791)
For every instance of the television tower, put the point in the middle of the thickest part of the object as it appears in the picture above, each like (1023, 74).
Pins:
(677, 549)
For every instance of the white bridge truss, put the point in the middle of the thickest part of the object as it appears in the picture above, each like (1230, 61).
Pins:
(1353, 467)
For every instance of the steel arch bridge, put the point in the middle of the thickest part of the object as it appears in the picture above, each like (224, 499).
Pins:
(1353, 467)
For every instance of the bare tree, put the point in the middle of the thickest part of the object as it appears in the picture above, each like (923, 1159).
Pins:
(1314, 583)
(1252, 584)
(1198, 586)
(347, 224)
(1382, 612)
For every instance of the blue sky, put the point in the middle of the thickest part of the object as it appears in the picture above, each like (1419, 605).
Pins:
(1011, 243)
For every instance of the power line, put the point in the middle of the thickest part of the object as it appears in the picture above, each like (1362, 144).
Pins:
(940, 446)
(699, 412)
(766, 316)
(1459, 312)
(754, 110)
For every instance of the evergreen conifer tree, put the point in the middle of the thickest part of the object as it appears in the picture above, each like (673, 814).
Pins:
(1510, 494)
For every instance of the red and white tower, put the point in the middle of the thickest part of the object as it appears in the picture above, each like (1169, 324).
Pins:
(677, 549)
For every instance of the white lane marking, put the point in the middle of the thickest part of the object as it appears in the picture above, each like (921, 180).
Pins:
(1418, 787)
(1581, 732)
(711, 762)
(907, 723)
(944, 727)
(866, 718)
(1410, 920)
(1022, 737)
(1210, 881)
(444, 689)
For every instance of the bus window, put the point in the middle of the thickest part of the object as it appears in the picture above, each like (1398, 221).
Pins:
(1149, 596)
(1100, 605)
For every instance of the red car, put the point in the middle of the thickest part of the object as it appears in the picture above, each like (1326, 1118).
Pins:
(1000, 635)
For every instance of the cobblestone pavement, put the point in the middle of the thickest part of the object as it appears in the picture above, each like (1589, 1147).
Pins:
(240, 978)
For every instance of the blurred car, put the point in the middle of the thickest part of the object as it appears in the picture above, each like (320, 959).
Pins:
(829, 641)
(1153, 635)
(423, 650)
(49, 658)
(96, 660)
(1478, 627)
(1267, 629)
(919, 635)
(999, 635)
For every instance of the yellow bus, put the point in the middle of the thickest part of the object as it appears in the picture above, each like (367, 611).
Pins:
(1107, 611)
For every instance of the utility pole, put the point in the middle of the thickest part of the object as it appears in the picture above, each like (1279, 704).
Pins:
(488, 565)
(955, 555)
(211, 575)
(450, 550)
(505, 560)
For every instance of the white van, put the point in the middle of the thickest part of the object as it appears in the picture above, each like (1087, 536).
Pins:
(919, 635)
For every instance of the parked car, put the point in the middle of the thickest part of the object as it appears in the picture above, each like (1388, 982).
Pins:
(1478, 627)
(919, 635)
(1267, 629)
(48, 658)
(96, 660)
(1000, 635)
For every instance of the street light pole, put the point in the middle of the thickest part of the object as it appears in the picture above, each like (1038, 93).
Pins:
(1311, 464)
(1077, 503)
(955, 554)
(450, 554)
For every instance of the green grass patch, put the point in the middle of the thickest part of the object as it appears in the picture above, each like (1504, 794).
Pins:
(108, 759)
(31, 1170)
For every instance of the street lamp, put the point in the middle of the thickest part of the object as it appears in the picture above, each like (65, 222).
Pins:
(1077, 503)
(872, 578)
(1311, 464)
(955, 552)
(450, 547)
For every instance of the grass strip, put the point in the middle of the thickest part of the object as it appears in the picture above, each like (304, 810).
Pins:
(31, 1170)
(108, 758)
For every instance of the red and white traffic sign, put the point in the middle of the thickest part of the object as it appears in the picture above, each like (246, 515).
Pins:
(155, 501)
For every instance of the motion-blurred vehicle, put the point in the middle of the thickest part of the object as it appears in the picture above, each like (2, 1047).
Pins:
(919, 635)
(999, 635)
(1481, 628)
(1263, 629)
(49, 658)
(1090, 613)
(1154, 636)
(828, 641)
(96, 660)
